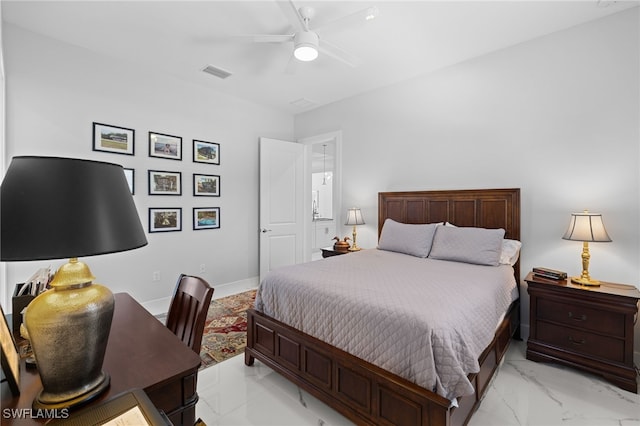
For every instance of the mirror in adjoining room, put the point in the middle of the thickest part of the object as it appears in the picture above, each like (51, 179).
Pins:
(323, 195)
(322, 181)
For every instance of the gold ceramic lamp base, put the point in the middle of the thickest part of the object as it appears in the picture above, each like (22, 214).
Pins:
(54, 401)
(68, 327)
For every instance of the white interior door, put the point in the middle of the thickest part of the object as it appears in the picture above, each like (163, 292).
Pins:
(281, 204)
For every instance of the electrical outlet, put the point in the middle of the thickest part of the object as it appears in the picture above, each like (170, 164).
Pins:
(202, 267)
(156, 276)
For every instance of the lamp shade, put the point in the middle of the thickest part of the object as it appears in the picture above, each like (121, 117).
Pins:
(53, 208)
(354, 217)
(586, 227)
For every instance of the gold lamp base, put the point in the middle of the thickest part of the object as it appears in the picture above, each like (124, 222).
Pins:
(68, 327)
(585, 281)
(585, 278)
(354, 246)
(53, 401)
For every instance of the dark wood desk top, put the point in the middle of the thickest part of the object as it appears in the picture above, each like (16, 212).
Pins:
(141, 353)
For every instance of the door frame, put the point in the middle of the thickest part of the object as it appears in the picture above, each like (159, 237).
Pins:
(330, 137)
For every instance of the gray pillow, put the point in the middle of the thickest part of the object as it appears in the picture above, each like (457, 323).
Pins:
(411, 239)
(470, 245)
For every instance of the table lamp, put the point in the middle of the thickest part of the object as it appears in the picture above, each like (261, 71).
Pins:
(586, 227)
(53, 208)
(354, 217)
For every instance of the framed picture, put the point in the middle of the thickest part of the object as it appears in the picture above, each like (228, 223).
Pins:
(118, 140)
(165, 146)
(165, 219)
(206, 185)
(130, 174)
(206, 152)
(10, 358)
(165, 183)
(206, 218)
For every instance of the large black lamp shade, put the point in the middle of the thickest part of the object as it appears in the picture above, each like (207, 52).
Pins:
(54, 208)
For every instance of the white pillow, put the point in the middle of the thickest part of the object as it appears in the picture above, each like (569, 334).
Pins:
(411, 239)
(510, 252)
(470, 245)
(510, 249)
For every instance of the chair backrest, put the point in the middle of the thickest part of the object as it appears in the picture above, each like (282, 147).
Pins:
(188, 311)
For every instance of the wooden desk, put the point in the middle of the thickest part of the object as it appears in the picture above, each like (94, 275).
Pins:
(141, 353)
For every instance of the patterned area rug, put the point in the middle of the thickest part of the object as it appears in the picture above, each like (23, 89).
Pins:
(225, 331)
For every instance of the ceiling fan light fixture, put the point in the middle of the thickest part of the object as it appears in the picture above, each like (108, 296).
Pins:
(305, 46)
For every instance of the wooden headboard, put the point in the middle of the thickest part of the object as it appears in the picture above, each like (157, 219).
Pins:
(483, 208)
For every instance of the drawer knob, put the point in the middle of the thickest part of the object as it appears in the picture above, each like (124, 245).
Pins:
(582, 317)
(577, 342)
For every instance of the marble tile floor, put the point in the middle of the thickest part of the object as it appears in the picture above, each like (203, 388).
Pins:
(522, 393)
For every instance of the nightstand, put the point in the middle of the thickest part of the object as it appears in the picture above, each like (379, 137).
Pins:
(590, 328)
(329, 251)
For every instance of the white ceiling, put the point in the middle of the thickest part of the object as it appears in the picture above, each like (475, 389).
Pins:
(407, 39)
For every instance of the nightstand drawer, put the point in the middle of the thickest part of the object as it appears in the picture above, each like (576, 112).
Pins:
(581, 341)
(577, 315)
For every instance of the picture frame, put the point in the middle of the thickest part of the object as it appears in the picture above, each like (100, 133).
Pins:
(165, 146)
(206, 152)
(163, 182)
(165, 219)
(113, 139)
(206, 185)
(130, 175)
(10, 359)
(206, 218)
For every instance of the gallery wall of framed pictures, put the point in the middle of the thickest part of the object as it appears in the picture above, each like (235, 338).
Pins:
(168, 181)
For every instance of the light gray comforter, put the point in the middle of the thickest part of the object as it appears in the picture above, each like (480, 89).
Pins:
(425, 320)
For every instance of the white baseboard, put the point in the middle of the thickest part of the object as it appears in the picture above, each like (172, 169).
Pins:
(161, 306)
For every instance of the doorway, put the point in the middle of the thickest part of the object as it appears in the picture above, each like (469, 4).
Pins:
(323, 192)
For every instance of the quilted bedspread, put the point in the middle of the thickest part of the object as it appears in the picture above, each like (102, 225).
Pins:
(425, 320)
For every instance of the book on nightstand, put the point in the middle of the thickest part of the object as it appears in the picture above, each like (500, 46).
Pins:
(551, 274)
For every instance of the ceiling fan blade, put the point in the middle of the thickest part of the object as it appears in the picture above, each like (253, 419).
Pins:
(336, 52)
(290, 11)
(292, 65)
(267, 38)
(357, 18)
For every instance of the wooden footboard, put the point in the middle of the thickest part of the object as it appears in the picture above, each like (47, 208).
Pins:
(361, 391)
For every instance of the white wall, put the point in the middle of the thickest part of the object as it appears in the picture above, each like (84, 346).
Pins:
(3, 271)
(54, 93)
(557, 117)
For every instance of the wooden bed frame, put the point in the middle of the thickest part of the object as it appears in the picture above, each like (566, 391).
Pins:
(361, 391)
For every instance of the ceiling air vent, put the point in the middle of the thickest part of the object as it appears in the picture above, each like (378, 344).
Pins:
(218, 72)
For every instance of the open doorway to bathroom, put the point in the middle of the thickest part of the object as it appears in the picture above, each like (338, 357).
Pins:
(325, 189)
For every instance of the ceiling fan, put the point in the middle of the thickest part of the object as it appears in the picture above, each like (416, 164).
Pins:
(307, 44)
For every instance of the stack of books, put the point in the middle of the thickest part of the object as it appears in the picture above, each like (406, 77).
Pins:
(550, 274)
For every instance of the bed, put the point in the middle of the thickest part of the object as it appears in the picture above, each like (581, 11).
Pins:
(371, 391)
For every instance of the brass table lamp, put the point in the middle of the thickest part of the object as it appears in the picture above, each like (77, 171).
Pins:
(354, 217)
(586, 227)
(53, 208)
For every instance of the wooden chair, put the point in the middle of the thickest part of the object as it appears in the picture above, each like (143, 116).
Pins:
(188, 311)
